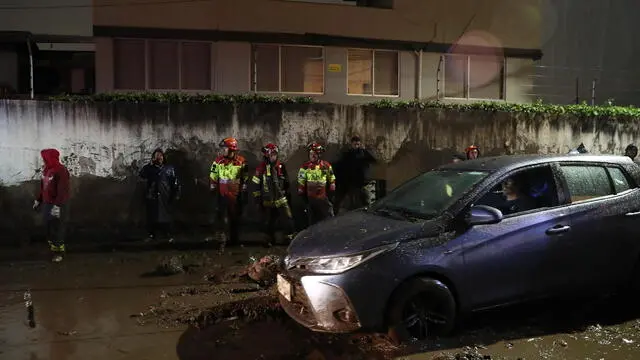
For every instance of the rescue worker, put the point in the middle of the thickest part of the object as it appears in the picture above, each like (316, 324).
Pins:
(271, 191)
(316, 185)
(228, 179)
(53, 196)
(631, 151)
(352, 173)
(163, 190)
(472, 152)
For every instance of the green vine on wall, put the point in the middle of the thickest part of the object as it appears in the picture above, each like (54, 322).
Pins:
(578, 110)
(182, 98)
(608, 110)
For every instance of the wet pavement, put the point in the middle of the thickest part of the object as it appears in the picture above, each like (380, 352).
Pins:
(122, 305)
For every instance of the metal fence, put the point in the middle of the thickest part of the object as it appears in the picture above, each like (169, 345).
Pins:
(595, 86)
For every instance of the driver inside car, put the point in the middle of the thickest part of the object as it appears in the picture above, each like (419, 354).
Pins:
(515, 199)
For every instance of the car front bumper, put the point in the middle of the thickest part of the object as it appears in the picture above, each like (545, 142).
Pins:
(316, 303)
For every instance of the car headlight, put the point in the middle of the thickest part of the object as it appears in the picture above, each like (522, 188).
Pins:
(338, 264)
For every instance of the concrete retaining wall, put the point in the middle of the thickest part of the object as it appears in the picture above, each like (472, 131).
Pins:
(105, 144)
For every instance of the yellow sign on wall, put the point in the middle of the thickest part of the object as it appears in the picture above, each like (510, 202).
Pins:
(334, 68)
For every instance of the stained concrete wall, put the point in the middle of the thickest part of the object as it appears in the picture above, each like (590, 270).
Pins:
(105, 144)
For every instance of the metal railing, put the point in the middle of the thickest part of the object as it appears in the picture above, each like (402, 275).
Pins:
(595, 86)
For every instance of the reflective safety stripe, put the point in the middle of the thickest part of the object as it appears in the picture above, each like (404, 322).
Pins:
(56, 248)
(256, 193)
(255, 180)
(281, 202)
(229, 181)
(228, 171)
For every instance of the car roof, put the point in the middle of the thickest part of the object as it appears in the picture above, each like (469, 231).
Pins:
(507, 162)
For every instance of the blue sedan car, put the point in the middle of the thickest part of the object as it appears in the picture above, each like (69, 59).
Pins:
(466, 237)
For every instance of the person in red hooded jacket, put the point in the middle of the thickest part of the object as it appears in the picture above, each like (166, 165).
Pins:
(54, 194)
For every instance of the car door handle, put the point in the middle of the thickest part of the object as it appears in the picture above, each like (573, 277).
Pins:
(635, 213)
(558, 229)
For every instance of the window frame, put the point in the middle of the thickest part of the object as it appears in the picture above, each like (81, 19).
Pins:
(147, 61)
(373, 72)
(253, 73)
(467, 86)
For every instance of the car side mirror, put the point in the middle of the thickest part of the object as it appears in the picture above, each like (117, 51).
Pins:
(483, 215)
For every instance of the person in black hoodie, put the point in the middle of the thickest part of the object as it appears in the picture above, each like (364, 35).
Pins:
(352, 175)
(631, 151)
(162, 190)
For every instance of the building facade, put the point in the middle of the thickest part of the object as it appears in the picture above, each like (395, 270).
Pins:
(61, 43)
(334, 50)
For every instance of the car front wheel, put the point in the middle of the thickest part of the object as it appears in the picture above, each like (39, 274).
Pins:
(421, 308)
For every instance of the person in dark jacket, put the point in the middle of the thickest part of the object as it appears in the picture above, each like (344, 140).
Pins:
(352, 175)
(163, 189)
(631, 151)
(54, 194)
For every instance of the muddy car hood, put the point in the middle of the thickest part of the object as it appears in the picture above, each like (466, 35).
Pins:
(350, 233)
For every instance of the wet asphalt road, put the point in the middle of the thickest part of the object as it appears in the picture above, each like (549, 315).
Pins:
(84, 307)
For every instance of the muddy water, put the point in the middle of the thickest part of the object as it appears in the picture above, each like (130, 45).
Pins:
(89, 307)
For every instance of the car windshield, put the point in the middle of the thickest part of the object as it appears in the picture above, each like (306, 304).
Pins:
(427, 195)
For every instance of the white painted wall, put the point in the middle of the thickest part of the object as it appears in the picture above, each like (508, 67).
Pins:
(52, 17)
(97, 139)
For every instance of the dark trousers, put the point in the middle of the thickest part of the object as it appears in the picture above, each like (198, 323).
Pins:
(228, 217)
(155, 225)
(55, 228)
(355, 198)
(318, 210)
(274, 214)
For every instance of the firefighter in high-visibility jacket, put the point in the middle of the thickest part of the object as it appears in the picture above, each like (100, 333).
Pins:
(271, 192)
(228, 179)
(317, 185)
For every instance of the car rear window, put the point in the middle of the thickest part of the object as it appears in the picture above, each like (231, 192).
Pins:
(586, 182)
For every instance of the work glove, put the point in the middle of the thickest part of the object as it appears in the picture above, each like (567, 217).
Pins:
(36, 205)
(55, 211)
(213, 187)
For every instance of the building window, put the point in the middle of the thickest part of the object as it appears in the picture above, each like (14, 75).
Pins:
(162, 65)
(474, 77)
(129, 64)
(288, 69)
(373, 72)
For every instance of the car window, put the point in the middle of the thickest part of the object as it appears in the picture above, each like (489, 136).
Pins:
(620, 182)
(429, 194)
(523, 191)
(586, 182)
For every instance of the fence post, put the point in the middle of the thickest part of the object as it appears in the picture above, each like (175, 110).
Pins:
(577, 91)
(593, 92)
